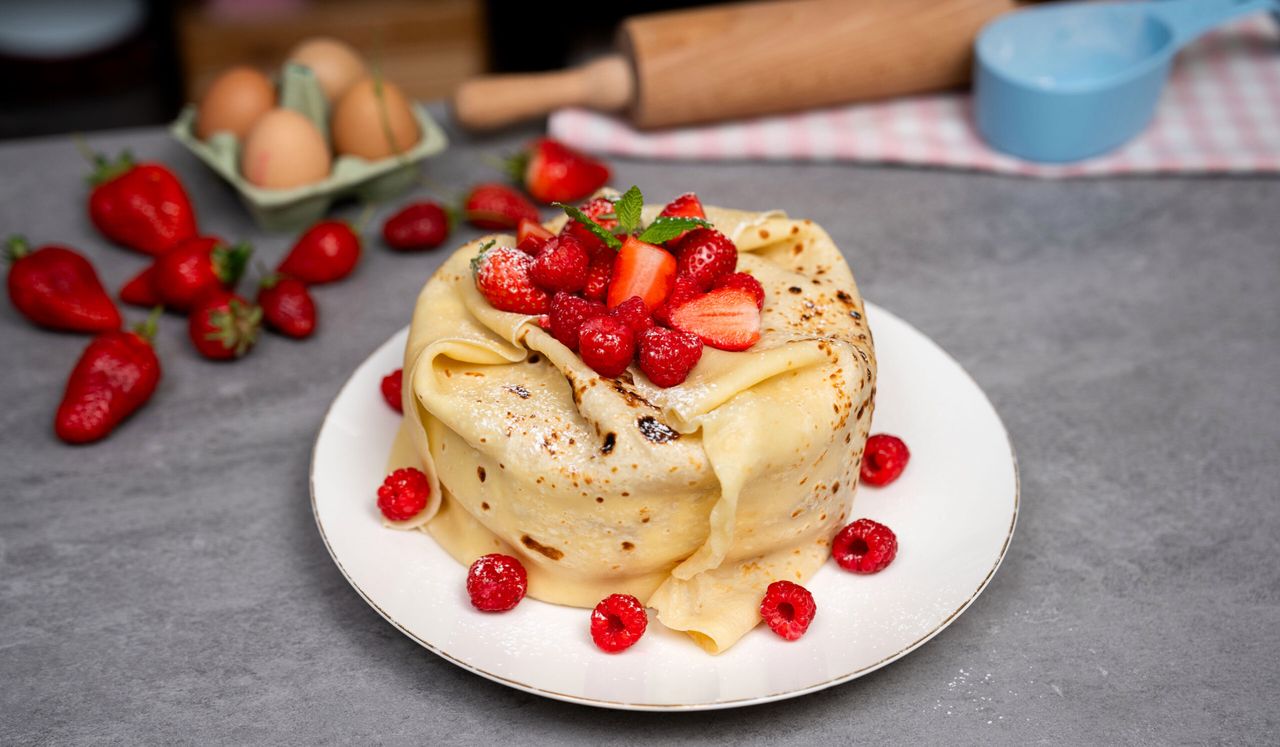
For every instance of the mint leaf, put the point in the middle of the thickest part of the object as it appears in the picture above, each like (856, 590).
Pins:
(666, 228)
(628, 208)
(600, 231)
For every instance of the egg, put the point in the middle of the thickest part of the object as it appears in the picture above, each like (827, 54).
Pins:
(334, 63)
(373, 120)
(235, 100)
(284, 149)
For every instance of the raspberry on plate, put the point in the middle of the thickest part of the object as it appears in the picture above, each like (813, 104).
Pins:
(496, 582)
(884, 459)
(404, 494)
(706, 255)
(618, 622)
(392, 385)
(633, 312)
(787, 609)
(567, 315)
(607, 345)
(561, 265)
(865, 546)
(598, 276)
(668, 355)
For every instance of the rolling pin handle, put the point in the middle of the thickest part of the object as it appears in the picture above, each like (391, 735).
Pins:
(489, 102)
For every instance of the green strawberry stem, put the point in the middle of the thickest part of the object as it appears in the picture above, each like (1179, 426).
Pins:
(17, 247)
(146, 329)
(363, 219)
(513, 166)
(229, 262)
(104, 169)
(236, 327)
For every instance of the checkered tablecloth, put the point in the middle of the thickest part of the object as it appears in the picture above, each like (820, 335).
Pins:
(1219, 113)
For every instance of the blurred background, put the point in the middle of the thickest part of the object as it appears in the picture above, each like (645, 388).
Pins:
(72, 65)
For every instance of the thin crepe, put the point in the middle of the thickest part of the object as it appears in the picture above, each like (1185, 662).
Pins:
(692, 498)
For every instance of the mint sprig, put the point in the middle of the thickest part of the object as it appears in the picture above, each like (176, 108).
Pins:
(600, 231)
(665, 228)
(628, 208)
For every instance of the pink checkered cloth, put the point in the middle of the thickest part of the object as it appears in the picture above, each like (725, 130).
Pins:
(1219, 113)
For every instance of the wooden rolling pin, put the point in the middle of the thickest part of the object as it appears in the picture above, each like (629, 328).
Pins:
(741, 60)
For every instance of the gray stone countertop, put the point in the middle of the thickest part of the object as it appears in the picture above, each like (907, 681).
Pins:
(169, 585)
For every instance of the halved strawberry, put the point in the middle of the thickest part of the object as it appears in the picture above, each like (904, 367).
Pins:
(554, 172)
(725, 318)
(642, 270)
(686, 205)
(531, 236)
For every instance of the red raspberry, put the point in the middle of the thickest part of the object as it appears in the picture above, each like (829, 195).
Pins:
(598, 277)
(404, 494)
(667, 355)
(607, 345)
(391, 389)
(884, 459)
(618, 622)
(633, 312)
(787, 609)
(594, 208)
(746, 282)
(561, 265)
(865, 546)
(496, 583)
(705, 255)
(502, 277)
(567, 314)
(683, 290)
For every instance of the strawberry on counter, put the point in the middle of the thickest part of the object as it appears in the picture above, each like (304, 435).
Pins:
(115, 376)
(327, 252)
(142, 206)
(56, 287)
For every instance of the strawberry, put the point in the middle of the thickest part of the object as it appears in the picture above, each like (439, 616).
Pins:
(633, 312)
(140, 291)
(567, 314)
(642, 270)
(554, 172)
(706, 255)
(686, 205)
(196, 268)
(418, 225)
(607, 345)
(287, 306)
(746, 282)
(684, 289)
(562, 265)
(224, 326)
(502, 277)
(598, 276)
(725, 318)
(497, 207)
(596, 209)
(531, 236)
(57, 287)
(328, 251)
(668, 355)
(115, 376)
(142, 206)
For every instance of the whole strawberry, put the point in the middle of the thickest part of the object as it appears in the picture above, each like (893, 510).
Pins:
(553, 172)
(502, 277)
(706, 255)
(497, 207)
(561, 265)
(287, 306)
(328, 251)
(686, 205)
(418, 225)
(197, 268)
(115, 376)
(599, 209)
(223, 326)
(56, 287)
(142, 206)
(140, 290)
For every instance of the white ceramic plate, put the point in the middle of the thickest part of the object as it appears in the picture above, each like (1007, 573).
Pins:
(953, 510)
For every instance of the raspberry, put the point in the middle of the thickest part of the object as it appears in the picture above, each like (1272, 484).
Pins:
(787, 609)
(607, 345)
(561, 265)
(633, 312)
(746, 282)
(618, 622)
(884, 459)
(667, 355)
(404, 494)
(683, 290)
(568, 312)
(502, 277)
(598, 276)
(496, 583)
(391, 388)
(705, 255)
(865, 546)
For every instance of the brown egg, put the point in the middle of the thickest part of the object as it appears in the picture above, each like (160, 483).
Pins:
(369, 113)
(235, 100)
(284, 150)
(335, 64)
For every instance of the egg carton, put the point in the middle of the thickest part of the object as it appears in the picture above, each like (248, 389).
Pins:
(349, 177)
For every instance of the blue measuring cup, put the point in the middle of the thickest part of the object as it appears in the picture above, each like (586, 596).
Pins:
(1068, 81)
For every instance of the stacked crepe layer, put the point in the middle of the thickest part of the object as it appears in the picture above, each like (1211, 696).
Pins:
(692, 498)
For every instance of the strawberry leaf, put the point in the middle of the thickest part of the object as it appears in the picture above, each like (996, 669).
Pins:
(628, 209)
(665, 228)
(479, 258)
(600, 231)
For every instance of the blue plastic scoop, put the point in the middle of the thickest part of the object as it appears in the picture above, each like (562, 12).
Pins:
(1065, 82)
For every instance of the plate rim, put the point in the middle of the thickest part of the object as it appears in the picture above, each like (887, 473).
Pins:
(669, 707)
